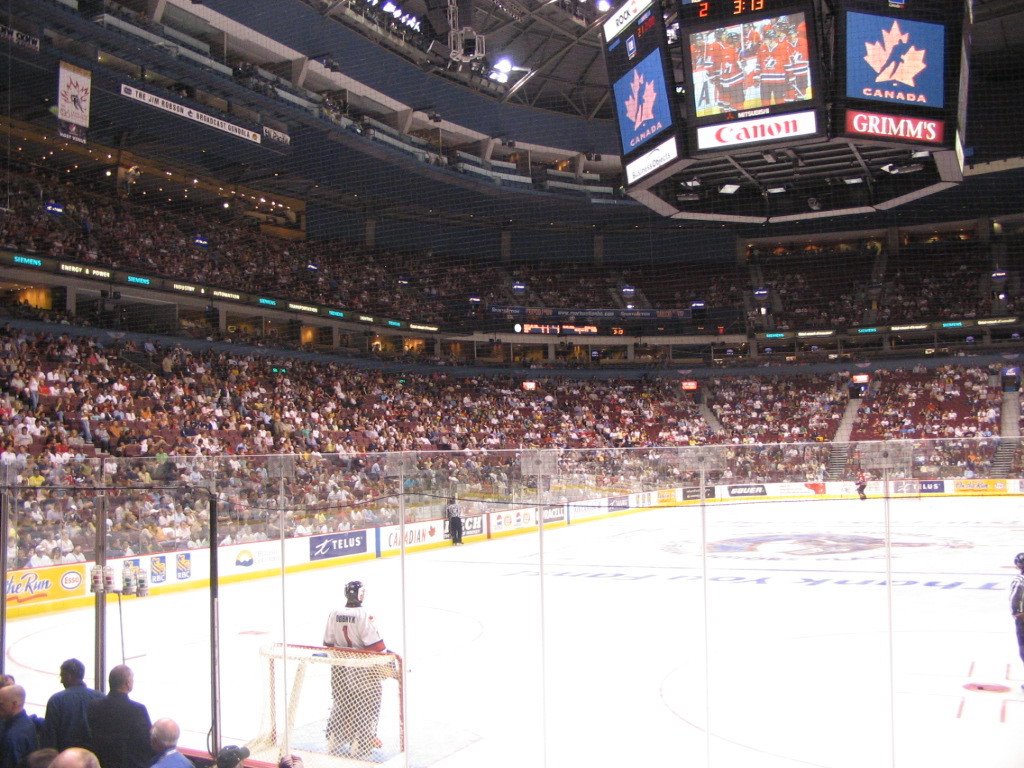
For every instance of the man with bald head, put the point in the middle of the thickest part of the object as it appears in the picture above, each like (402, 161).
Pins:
(19, 729)
(164, 739)
(120, 726)
(75, 757)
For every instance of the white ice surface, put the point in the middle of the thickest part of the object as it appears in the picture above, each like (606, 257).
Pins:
(616, 658)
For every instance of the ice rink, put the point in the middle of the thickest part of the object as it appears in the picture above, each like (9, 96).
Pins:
(612, 643)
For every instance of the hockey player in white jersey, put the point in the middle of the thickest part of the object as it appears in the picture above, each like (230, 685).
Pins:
(356, 689)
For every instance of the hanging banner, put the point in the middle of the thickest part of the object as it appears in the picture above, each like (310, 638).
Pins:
(19, 38)
(74, 89)
(189, 113)
(278, 137)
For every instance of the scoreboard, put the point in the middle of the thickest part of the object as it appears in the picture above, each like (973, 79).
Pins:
(640, 73)
(878, 87)
(902, 72)
(752, 73)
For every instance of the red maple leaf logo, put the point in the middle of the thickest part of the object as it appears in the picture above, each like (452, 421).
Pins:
(640, 107)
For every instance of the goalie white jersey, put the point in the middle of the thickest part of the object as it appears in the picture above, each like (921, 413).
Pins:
(351, 628)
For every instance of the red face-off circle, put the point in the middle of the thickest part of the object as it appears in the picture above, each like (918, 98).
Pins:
(987, 687)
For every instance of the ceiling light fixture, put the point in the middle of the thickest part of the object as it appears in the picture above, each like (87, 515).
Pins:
(902, 169)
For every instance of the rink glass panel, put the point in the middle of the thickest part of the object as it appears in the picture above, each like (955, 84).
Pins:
(682, 590)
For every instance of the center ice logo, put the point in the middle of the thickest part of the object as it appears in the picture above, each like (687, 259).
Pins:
(895, 58)
(805, 544)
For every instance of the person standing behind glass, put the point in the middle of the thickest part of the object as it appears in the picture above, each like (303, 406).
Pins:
(454, 515)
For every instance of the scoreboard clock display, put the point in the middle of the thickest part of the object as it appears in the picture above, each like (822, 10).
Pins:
(752, 72)
(641, 78)
(716, 10)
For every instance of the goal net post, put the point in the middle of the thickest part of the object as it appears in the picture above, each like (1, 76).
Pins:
(331, 706)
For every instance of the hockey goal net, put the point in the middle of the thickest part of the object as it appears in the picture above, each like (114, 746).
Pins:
(330, 706)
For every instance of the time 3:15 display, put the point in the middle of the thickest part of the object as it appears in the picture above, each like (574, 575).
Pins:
(721, 9)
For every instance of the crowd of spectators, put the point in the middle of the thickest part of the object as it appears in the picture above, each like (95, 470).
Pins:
(758, 409)
(229, 251)
(667, 286)
(573, 285)
(85, 728)
(156, 428)
(70, 404)
(818, 286)
(947, 402)
(944, 279)
(823, 286)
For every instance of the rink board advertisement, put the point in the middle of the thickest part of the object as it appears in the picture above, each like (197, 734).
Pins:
(980, 487)
(584, 510)
(554, 513)
(800, 489)
(472, 525)
(618, 503)
(47, 584)
(333, 545)
(693, 494)
(670, 496)
(744, 491)
(512, 521)
(68, 586)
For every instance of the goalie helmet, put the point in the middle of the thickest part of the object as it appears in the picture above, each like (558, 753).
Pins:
(1019, 560)
(354, 592)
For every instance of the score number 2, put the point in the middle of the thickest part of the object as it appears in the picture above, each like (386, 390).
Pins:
(738, 7)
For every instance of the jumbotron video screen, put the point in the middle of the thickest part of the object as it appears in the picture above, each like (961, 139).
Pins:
(750, 65)
(642, 85)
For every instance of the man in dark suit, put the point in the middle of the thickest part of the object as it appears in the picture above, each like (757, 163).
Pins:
(66, 724)
(120, 727)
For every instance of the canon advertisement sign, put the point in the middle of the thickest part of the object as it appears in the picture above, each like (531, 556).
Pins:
(894, 127)
(776, 128)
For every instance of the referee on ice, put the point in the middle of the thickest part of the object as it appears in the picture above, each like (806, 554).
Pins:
(454, 515)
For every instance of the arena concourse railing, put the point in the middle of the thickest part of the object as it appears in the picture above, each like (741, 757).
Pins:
(212, 576)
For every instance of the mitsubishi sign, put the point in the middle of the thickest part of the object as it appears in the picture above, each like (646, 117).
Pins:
(895, 127)
(775, 128)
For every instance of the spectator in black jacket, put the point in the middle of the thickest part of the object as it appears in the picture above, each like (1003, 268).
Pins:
(120, 727)
(67, 723)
